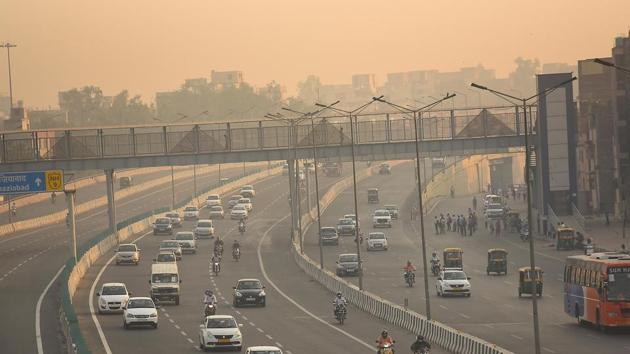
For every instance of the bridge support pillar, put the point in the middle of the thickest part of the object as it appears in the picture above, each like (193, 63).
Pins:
(111, 202)
(292, 198)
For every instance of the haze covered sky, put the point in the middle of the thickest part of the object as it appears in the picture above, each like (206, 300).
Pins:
(153, 45)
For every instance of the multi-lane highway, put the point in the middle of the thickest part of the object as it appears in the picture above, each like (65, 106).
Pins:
(30, 260)
(298, 316)
(494, 311)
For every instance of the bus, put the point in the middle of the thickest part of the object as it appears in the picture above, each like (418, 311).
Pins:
(597, 289)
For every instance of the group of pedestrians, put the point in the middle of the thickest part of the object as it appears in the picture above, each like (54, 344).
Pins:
(459, 223)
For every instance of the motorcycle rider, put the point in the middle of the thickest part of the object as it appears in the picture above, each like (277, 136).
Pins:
(339, 301)
(241, 226)
(435, 260)
(409, 269)
(382, 340)
(236, 248)
(216, 262)
(209, 298)
(218, 246)
(420, 345)
(13, 209)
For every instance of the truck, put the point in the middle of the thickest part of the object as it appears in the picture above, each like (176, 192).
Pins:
(332, 169)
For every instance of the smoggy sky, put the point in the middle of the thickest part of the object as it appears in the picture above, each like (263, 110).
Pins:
(153, 45)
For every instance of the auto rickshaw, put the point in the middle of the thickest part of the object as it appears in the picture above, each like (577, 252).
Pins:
(529, 281)
(565, 238)
(372, 195)
(453, 258)
(497, 261)
(513, 222)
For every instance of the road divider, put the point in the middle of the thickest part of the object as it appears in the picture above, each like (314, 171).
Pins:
(102, 201)
(104, 243)
(435, 332)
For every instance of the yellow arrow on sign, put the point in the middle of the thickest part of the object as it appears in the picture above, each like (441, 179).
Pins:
(54, 181)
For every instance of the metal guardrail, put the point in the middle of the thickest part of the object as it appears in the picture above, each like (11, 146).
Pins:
(577, 215)
(181, 139)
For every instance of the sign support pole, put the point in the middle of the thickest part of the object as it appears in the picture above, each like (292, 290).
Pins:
(71, 221)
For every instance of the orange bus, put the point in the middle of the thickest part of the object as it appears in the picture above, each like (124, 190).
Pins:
(597, 289)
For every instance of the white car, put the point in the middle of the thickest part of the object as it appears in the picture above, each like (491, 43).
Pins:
(247, 203)
(204, 229)
(128, 253)
(452, 282)
(220, 332)
(112, 298)
(140, 311)
(216, 212)
(212, 200)
(239, 212)
(377, 241)
(191, 212)
(248, 191)
(172, 246)
(186, 240)
(263, 350)
(381, 218)
(234, 200)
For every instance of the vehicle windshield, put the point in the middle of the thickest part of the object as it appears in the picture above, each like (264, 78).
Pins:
(165, 258)
(495, 206)
(191, 208)
(249, 284)
(172, 215)
(221, 323)
(239, 207)
(328, 231)
(213, 197)
(391, 207)
(140, 304)
(169, 244)
(265, 352)
(216, 208)
(236, 197)
(244, 200)
(114, 290)
(378, 236)
(346, 222)
(127, 248)
(381, 213)
(204, 224)
(619, 289)
(348, 258)
(163, 221)
(372, 192)
(164, 278)
(454, 276)
(184, 236)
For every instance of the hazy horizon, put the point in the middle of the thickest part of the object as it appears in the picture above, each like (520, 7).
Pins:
(149, 46)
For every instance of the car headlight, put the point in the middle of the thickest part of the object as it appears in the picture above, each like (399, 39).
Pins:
(237, 336)
(262, 293)
(102, 301)
(238, 294)
(130, 315)
(153, 315)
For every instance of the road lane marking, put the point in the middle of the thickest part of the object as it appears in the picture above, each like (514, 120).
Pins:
(101, 334)
(508, 282)
(38, 308)
(464, 315)
(443, 307)
(515, 336)
(269, 337)
(177, 326)
(288, 298)
(548, 350)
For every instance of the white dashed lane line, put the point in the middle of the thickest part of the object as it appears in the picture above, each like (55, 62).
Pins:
(5, 275)
(515, 336)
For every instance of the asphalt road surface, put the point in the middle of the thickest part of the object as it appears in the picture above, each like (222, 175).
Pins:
(494, 312)
(30, 260)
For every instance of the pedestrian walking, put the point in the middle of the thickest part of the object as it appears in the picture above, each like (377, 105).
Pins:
(474, 202)
(436, 224)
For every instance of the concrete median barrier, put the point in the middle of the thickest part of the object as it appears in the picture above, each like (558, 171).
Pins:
(440, 334)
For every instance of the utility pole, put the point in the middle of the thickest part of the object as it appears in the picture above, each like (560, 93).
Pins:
(70, 193)
(172, 188)
(9, 46)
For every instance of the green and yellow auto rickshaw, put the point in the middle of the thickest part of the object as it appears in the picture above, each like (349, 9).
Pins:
(565, 238)
(530, 282)
(497, 261)
(453, 258)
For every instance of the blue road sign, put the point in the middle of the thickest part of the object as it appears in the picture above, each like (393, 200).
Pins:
(31, 182)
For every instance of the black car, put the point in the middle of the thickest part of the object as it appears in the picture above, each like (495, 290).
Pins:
(249, 292)
(163, 226)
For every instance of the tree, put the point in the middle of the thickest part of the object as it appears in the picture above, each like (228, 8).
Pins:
(308, 90)
(523, 77)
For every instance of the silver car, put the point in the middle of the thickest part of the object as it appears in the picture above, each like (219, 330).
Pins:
(173, 246)
(128, 253)
(216, 212)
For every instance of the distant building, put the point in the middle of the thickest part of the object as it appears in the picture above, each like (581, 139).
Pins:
(48, 119)
(621, 110)
(18, 119)
(596, 131)
(226, 79)
(364, 84)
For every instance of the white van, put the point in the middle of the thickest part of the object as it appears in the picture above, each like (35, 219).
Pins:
(165, 283)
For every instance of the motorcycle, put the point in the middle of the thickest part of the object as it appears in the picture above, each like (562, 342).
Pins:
(216, 268)
(410, 278)
(385, 348)
(435, 268)
(422, 351)
(236, 254)
(340, 313)
(524, 233)
(210, 310)
(218, 250)
(241, 228)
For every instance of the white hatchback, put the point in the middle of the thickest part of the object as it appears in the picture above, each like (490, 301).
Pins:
(112, 297)
(453, 282)
(140, 311)
(220, 332)
(377, 241)
(191, 212)
(213, 199)
(239, 212)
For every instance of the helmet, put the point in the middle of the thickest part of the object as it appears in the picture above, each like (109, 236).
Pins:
(208, 292)
(434, 253)
(384, 333)
(338, 294)
(408, 262)
(420, 337)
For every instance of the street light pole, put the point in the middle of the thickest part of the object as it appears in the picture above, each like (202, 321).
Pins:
(172, 187)
(532, 259)
(9, 46)
(415, 112)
